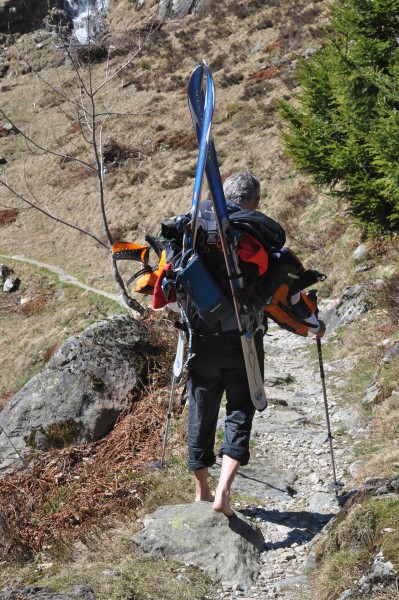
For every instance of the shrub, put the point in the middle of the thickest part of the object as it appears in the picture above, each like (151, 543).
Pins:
(345, 132)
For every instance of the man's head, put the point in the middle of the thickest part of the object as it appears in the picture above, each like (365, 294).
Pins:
(242, 188)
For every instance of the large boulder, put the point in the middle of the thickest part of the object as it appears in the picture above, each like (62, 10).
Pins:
(228, 550)
(79, 395)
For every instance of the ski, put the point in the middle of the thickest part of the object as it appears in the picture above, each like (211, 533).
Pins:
(200, 99)
(203, 131)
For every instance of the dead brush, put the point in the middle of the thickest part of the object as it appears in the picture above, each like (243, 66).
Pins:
(262, 74)
(186, 141)
(4, 398)
(75, 173)
(273, 46)
(8, 216)
(51, 350)
(34, 305)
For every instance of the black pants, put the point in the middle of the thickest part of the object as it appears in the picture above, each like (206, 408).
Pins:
(217, 367)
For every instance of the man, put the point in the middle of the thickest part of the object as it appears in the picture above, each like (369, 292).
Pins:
(217, 367)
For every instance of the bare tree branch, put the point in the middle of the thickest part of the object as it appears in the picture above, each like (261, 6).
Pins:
(45, 150)
(4, 183)
(129, 60)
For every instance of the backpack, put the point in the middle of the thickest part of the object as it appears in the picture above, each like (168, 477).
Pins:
(285, 301)
(272, 275)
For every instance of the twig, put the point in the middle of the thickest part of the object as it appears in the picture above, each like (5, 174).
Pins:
(49, 214)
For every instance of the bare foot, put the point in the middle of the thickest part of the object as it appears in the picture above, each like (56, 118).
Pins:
(205, 498)
(222, 503)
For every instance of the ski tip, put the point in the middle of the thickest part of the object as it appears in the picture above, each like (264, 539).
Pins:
(261, 406)
(259, 400)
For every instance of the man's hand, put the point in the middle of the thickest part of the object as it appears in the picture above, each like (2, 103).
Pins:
(321, 332)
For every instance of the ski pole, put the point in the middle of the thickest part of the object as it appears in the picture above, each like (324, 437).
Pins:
(330, 437)
(168, 418)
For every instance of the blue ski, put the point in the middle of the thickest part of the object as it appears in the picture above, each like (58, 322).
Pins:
(200, 99)
(203, 131)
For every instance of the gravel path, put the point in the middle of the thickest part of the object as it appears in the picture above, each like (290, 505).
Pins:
(290, 476)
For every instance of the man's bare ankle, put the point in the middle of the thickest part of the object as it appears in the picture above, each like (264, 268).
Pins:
(222, 503)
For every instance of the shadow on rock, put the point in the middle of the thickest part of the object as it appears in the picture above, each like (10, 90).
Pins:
(300, 527)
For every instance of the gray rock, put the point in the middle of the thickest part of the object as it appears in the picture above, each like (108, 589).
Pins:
(349, 417)
(4, 272)
(273, 377)
(343, 364)
(365, 267)
(228, 550)
(392, 353)
(290, 582)
(310, 51)
(85, 592)
(11, 284)
(355, 467)
(79, 395)
(372, 394)
(323, 503)
(381, 574)
(352, 304)
(10, 127)
(360, 253)
(260, 481)
(177, 9)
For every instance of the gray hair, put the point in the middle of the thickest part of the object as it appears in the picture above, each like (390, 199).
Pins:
(243, 188)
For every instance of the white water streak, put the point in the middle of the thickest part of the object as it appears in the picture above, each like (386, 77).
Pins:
(87, 17)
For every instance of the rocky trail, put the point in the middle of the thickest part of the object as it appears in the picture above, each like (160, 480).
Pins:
(286, 493)
(290, 474)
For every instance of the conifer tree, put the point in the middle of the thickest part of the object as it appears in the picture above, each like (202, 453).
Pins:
(343, 130)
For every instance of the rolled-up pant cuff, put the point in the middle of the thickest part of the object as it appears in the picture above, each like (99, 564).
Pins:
(239, 454)
(194, 465)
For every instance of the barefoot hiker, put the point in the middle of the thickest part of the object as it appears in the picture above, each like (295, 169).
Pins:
(225, 266)
(217, 367)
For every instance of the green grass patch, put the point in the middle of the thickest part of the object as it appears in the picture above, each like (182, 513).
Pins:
(349, 547)
(339, 572)
(112, 566)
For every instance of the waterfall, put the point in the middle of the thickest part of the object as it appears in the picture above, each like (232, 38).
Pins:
(87, 17)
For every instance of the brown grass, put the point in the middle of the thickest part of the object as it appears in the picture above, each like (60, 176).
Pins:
(8, 216)
(35, 305)
(263, 74)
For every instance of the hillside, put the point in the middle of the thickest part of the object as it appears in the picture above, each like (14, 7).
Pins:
(252, 49)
